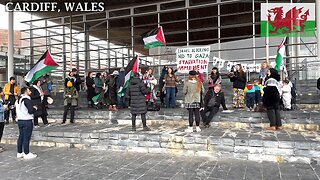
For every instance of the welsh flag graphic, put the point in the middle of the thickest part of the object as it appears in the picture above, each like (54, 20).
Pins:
(44, 65)
(287, 19)
(131, 68)
(154, 38)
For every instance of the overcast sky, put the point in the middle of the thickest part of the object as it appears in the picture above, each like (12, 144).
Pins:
(18, 17)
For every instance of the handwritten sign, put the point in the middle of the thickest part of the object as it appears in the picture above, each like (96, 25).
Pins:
(193, 58)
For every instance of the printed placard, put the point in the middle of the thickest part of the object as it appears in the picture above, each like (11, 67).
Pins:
(190, 58)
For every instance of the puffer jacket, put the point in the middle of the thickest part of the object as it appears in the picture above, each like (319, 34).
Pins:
(74, 96)
(137, 92)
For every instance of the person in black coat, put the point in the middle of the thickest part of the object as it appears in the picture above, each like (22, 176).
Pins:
(137, 92)
(212, 101)
(37, 99)
(239, 83)
(271, 99)
(90, 89)
(74, 78)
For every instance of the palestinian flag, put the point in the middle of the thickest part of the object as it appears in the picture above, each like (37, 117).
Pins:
(44, 65)
(288, 19)
(131, 68)
(280, 55)
(154, 38)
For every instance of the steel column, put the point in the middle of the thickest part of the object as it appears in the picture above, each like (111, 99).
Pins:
(10, 69)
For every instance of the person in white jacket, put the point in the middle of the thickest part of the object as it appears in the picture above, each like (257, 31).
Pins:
(286, 94)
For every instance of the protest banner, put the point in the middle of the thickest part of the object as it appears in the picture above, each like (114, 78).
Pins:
(189, 58)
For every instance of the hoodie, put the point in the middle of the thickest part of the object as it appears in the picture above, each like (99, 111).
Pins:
(250, 88)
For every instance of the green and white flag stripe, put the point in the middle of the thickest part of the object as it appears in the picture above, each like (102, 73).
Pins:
(131, 68)
(280, 55)
(44, 65)
(283, 18)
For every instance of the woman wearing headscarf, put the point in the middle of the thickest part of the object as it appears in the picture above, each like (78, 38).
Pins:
(192, 90)
(271, 99)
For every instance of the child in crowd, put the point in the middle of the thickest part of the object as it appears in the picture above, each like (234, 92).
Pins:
(286, 95)
(70, 96)
(250, 95)
(258, 91)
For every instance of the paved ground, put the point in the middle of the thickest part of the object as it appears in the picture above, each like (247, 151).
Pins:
(61, 163)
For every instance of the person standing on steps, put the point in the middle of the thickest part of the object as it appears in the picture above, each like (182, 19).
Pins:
(271, 99)
(2, 109)
(90, 89)
(25, 112)
(137, 92)
(239, 80)
(192, 90)
(70, 96)
(37, 99)
(10, 90)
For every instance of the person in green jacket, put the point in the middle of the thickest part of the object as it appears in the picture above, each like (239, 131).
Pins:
(70, 97)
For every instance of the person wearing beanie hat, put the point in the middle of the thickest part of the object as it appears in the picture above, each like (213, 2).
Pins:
(271, 99)
(2, 108)
(70, 97)
(192, 90)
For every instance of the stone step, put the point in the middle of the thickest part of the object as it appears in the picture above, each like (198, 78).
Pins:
(215, 142)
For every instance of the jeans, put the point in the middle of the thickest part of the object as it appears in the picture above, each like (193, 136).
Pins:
(1, 129)
(250, 100)
(25, 132)
(121, 101)
(196, 113)
(274, 116)
(65, 113)
(207, 118)
(170, 95)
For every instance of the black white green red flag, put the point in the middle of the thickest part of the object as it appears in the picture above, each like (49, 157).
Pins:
(44, 65)
(154, 38)
(131, 68)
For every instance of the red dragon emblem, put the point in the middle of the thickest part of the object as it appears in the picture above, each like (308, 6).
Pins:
(292, 22)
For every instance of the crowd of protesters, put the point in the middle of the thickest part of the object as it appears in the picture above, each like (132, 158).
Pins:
(141, 95)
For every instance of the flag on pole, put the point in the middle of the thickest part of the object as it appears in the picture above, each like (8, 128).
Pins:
(131, 68)
(280, 55)
(44, 65)
(154, 38)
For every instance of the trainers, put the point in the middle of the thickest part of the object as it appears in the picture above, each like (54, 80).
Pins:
(2, 149)
(36, 127)
(198, 129)
(20, 155)
(29, 156)
(189, 129)
(47, 125)
(146, 128)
